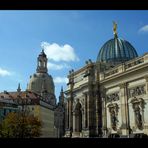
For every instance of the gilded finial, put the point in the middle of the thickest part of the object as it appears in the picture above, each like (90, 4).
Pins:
(115, 28)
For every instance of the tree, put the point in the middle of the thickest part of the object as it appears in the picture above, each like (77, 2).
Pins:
(20, 125)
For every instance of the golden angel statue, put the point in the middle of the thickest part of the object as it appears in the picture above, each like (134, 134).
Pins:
(115, 28)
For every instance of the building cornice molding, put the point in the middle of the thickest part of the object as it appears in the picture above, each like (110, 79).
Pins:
(123, 74)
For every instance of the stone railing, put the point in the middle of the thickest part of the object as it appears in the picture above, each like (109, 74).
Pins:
(124, 67)
(133, 63)
(111, 72)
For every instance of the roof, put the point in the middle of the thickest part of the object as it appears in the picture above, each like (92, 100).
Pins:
(7, 101)
(29, 97)
(25, 97)
(116, 50)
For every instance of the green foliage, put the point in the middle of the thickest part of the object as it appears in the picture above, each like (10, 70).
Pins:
(20, 125)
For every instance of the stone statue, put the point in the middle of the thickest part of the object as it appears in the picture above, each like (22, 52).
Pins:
(113, 118)
(138, 117)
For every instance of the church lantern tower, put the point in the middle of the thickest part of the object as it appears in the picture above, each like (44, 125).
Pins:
(41, 82)
(42, 63)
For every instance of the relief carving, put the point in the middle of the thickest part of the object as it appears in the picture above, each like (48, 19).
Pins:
(113, 109)
(139, 90)
(138, 107)
(113, 97)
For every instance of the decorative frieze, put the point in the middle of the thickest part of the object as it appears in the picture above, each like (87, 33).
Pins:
(139, 90)
(113, 97)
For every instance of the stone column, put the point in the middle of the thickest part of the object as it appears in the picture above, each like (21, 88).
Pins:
(103, 113)
(67, 116)
(74, 122)
(70, 115)
(83, 116)
(144, 114)
(97, 116)
(85, 111)
(146, 84)
(124, 109)
(88, 112)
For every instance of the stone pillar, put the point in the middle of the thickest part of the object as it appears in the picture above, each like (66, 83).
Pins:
(67, 115)
(83, 117)
(124, 109)
(85, 111)
(88, 112)
(146, 85)
(88, 119)
(103, 110)
(104, 114)
(70, 115)
(97, 116)
(74, 122)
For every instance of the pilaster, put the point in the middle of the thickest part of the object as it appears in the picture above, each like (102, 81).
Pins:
(124, 109)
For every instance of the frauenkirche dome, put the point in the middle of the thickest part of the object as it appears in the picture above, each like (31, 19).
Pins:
(41, 80)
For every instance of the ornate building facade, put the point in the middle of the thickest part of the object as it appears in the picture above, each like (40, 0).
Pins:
(109, 97)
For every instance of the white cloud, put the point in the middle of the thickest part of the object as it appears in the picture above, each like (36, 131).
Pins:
(4, 72)
(58, 53)
(144, 29)
(60, 80)
(53, 66)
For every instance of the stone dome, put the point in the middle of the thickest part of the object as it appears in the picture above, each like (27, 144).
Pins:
(116, 51)
(40, 81)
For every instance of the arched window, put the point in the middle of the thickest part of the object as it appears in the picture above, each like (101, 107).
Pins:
(44, 64)
(39, 63)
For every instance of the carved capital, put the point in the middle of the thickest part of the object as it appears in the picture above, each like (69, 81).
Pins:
(146, 78)
(123, 85)
(85, 93)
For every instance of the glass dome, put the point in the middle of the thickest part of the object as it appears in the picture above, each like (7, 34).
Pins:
(116, 51)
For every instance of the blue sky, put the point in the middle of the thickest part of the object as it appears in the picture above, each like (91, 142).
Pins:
(74, 36)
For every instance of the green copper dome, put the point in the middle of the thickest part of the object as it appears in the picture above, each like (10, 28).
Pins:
(116, 51)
